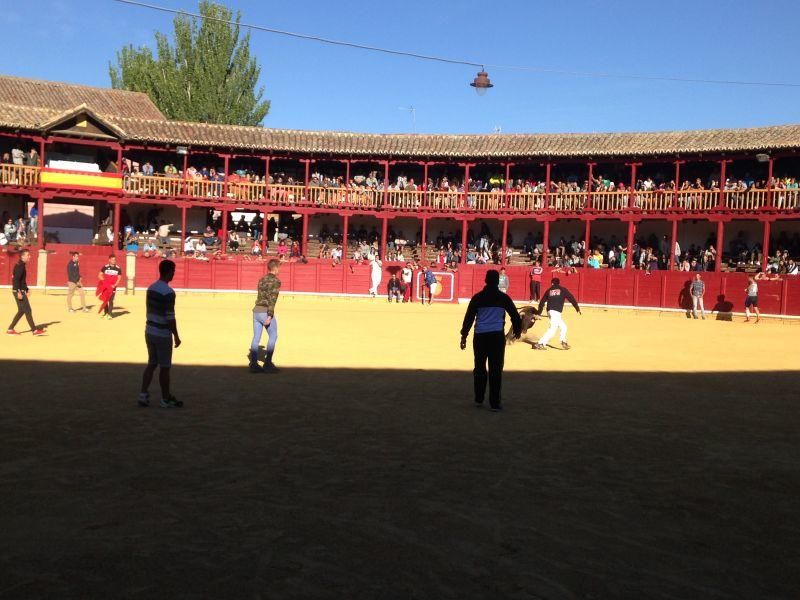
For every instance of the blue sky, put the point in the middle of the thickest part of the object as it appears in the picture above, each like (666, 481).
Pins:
(315, 86)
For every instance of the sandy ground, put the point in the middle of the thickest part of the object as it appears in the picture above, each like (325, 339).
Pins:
(656, 459)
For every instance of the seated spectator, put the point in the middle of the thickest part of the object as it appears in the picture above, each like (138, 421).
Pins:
(336, 255)
(131, 239)
(210, 237)
(294, 252)
(593, 262)
(147, 169)
(10, 230)
(188, 246)
(149, 249)
(200, 250)
(234, 241)
(394, 288)
(472, 256)
(283, 249)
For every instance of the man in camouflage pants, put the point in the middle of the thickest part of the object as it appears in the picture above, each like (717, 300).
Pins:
(264, 318)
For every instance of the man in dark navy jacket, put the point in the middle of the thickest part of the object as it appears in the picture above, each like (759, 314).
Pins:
(487, 310)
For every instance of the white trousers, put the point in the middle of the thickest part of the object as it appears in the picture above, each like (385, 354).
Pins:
(556, 322)
(376, 281)
(698, 301)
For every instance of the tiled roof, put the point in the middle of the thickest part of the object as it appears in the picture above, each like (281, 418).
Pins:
(35, 106)
(64, 96)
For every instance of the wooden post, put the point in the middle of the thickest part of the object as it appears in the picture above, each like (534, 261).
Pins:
(464, 242)
(720, 243)
(385, 182)
(183, 227)
(765, 246)
(224, 236)
(384, 241)
(423, 241)
(304, 235)
(770, 166)
(673, 238)
(589, 186)
(226, 166)
(115, 242)
(629, 252)
(344, 238)
(587, 242)
(504, 245)
(40, 223)
(547, 182)
(546, 243)
(723, 164)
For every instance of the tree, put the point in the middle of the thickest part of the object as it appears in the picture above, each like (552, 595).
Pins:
(206, 73)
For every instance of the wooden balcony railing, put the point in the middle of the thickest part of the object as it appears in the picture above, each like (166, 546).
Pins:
(247, 192)
(745, 200)
(328, 197)
(154, 185)
(697, 199)
(485, 201)
(405, 200)
(786, 199)
(654, 201)
(286, 195)
(446, 200)
(526, 202)
(610, 201)
(364, 198)
(568, 201)
(20, 175)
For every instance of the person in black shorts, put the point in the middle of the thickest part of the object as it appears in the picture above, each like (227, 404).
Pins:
(751, 301)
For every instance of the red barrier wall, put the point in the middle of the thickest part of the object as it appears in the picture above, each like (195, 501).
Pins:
(614, 287)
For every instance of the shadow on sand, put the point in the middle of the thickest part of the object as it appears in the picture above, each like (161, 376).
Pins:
(330, 483)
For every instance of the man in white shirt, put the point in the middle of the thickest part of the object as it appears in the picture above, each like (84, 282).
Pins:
(188, 247)
(406, 276)
(375, 273)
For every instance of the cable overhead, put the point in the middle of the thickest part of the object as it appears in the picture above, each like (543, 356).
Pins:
(454, 61)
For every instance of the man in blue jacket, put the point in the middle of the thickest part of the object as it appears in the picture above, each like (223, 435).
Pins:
(487, 310)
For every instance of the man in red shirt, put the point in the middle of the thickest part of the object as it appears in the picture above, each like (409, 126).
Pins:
(536, 281)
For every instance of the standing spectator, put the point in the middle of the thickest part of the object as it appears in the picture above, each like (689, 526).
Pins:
(163, 233)
(19, 288)
(34, 217)
(698, 290)
(487, 310)
(406, 277)
(503, 284)
(554, 297)
(428, 281)
(394, 288)
(109, 277)
(752, 299)
(161, 330)
(375, 273)
(536, 281)
(75, 283)
(269, 288)
(17, 156)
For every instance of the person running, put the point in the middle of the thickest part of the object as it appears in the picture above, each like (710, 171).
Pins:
(375, 273)
(269, 287)
(487, 310)
(751, 300)
(109, 278)
(75, 283)
(536, 281)
(19, 287)
(554, 297)
(161, 330)
(698, 290)
(428, 281)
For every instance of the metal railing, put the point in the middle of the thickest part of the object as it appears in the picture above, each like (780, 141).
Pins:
(20, 175)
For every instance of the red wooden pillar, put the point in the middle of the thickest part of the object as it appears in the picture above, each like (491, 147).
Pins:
(464, 242)
(185, 165)
(546, 243)
(504, 245)
(116, 227)
(119, 159)
(384, 233)
(266, 185)
(347, 180)
(589, 186)
(672, 239)
(41, 154)
(466, 184)
(264, 232)
(632, 190)
(225, 165)
(424, 235)
(307, 177)
(720, 242)
(587, 243)
(304, 235)
(385, 182)
(768, 203)
(722, 176)
(629, 251)
(547, 169)
(765, 246)
(346, 219)
(40, 224)
(506, 187)
(224, 234)
(425, 201)
(183, 226)
(677, 183)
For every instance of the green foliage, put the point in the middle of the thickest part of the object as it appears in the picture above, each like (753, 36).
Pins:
(205, 73)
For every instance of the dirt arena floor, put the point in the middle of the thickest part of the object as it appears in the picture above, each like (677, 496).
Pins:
(656, 459)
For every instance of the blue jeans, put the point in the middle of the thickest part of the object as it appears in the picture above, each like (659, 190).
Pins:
(258, 326)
